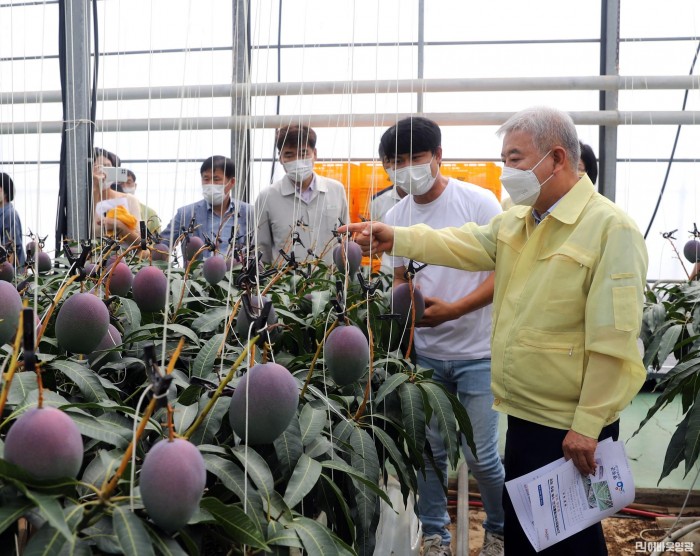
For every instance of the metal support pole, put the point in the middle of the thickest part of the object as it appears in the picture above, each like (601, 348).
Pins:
(421, 52)
(77, 115)
(609, 66)
(240, 101)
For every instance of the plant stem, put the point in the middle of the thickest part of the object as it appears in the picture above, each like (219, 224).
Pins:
(111, 485)
(13, 364)
(363, 405)
(219, 390)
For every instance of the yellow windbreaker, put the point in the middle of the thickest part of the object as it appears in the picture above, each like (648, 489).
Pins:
(567, 309)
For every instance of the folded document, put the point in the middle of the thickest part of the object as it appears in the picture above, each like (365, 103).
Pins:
(556, 501)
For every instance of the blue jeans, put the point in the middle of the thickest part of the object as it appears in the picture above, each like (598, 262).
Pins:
(471, 382)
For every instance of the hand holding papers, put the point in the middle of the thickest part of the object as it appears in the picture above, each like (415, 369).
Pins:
(556, 501)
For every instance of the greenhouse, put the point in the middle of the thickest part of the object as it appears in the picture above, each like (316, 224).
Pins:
(360, 277)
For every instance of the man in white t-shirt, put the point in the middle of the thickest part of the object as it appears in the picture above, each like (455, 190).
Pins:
(454, 334)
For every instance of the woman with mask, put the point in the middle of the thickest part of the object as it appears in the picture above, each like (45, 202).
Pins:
(218, 216)
(302, 205)
(115, 214)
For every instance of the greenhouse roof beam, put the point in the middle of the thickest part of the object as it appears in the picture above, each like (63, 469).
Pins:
(487, 84)
(606, 117)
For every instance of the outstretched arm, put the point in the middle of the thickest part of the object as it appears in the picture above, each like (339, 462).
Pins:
(374, 238)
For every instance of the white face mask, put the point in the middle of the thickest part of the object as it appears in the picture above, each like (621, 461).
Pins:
(523, 185)
(300, 169)
(129, 190)
(214, 194)
(414, 180)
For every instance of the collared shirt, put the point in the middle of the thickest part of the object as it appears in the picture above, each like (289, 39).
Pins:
(282, 216)
(307, 194)
(234, 223)
(567, 305)
(11, 230)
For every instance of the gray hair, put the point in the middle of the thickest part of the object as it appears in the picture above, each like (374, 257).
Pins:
(548, 127)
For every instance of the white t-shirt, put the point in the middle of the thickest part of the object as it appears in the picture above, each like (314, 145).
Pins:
(467, 337)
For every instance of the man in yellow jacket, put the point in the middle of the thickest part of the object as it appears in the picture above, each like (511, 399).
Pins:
(570, 268)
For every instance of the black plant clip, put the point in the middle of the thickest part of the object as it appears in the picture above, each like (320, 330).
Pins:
(339, 302)
(3, 254)
(77, 263)
(159, 383)
(669, 235)
(695, 232)
(367, 287)
(249, 274)
(28, 329)
(335, 232)
(413, 269)
(144, 235)
(259, 320)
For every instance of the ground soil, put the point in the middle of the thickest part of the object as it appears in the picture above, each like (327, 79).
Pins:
(621, 534)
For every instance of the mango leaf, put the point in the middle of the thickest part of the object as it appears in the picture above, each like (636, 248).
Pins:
(668, 342)
(342, 502)
(212, 421)
(211, 319)
(47, 541)
(391, 383)
(316, 538)
(364, 458)
(413, 413)
(236, 523)
(303, 479)
(408, 478)
(257, 470)
(50, 508)
(445, 417)
(100, 468)
(184, 416)
(203, 363)
(164, 546)
(692, 435)
(32, 400)
(131, 533)
(653, 349)
(12, 511)
(229, 474)
(311, 422)
(676, 448)
(356, 476)
(102, 534)
(288, 446)
(280, 535)
(85, 379)
(102, 430)
(129, 315)
(22, 383)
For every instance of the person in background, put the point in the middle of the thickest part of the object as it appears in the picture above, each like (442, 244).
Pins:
(302, 205)
(380, 204)
(147, 213)
(587, 164)
(218, 215)
(453, 335)
(11, 225)
(115, 214)
(570, 269)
